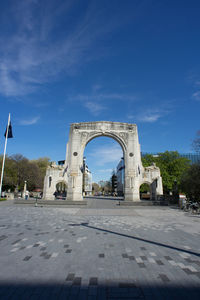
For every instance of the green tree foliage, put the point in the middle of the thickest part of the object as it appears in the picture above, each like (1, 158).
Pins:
(144, 188)
(10, 174)
(190, 182)
(148, 159)
(42, 163)
(19, 169)
(171, 165)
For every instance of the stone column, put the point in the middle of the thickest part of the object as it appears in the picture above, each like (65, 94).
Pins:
(75, 161)
(159, 188)
(132, 161)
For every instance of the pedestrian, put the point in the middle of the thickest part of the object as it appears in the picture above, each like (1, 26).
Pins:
(26, 195)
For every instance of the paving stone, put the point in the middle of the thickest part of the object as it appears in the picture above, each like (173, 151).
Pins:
(77, 281)
(70, 277)
(68, 251)
(124, 255)
(131, 257)
(101, 255)
(93, 281)
(159, 262)
(164, 278)
(27, 258)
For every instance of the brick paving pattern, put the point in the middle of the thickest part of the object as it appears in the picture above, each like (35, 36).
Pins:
(101, 251)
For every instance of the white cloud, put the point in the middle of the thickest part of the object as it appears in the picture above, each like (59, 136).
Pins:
(105, 171)
(104, 96)
(149, 115)
(109, 154)
(196, 96)
(38, 49)
(94, 108)
(28, 122)
(95, 102)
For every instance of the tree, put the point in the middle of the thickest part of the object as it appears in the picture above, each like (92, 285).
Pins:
(144, 188)
(190, 182)
(171, 165)
(10, 174)
(196, 142)
(148, 159)
(26, 171)
(108, 187)
(19, 169)
(95, 187)
(114, 182)
(42, 163)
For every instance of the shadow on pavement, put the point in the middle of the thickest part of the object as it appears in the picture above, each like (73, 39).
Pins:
(110, 290)
(104, 198)
(138, 239)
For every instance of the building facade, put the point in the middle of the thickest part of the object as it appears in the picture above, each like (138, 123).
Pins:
(87, 179)
(120, 177)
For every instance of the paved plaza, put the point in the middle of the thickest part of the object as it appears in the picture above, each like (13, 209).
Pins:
(98, 251)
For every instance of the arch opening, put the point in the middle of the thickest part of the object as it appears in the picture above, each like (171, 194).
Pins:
(61, 190)
(145, 191)
(104, 158)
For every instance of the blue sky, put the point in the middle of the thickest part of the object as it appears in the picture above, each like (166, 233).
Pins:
(75, 61)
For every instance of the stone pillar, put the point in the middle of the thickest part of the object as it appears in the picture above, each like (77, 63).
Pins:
(159, 188)
(49, 186)
(75, 161)
(133, 163)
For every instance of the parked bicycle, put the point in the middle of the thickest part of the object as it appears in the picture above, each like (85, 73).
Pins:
(190, 206)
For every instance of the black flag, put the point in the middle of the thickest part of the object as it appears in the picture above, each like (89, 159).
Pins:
(10, 135)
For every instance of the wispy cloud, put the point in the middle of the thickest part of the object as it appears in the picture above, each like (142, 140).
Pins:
(194, 79)
(148, 115)
(107, 155)
(38, 50)
(27, 122)
(104, 96)
(196, 95)
(99, 102)
(96, 87)
(105, 171)
(94, 108)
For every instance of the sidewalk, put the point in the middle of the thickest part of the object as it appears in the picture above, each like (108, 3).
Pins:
(101, 251)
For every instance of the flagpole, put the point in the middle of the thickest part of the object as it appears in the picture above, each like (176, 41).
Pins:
(4, 155)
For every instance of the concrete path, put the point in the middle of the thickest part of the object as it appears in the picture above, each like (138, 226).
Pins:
(101, 251)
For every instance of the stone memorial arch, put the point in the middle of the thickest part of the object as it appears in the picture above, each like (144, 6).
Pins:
(127, 136)
(69, 175)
